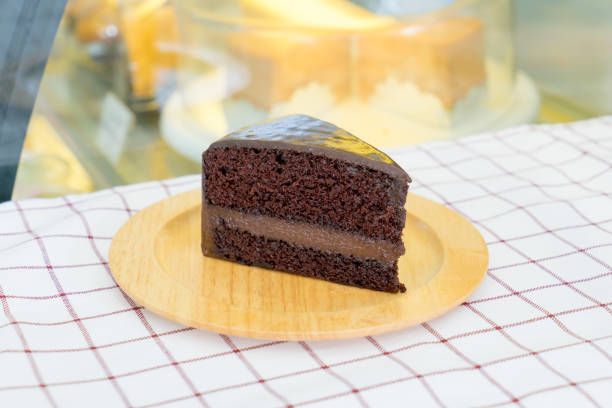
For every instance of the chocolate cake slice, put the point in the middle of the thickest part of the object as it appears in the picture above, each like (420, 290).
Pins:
(303, 196)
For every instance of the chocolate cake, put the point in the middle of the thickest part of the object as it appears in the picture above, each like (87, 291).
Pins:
(303, 196)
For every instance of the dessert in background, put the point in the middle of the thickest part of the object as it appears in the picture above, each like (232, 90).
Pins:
(150, 34)
(279, 65)
(443, 58)
(370, 60)
(410, 77)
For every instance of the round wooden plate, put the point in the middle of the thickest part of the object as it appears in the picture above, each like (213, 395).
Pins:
(156, 259)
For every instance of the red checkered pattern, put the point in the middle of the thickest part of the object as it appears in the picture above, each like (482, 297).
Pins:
(538, 331)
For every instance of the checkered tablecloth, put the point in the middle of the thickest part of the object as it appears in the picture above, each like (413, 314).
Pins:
(538, 331)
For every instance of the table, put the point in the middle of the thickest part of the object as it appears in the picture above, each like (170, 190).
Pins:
(537, 332)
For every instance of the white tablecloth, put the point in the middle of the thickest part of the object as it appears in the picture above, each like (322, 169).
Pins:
(538, 331)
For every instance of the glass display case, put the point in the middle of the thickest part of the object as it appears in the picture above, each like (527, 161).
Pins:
(391, 76)
(96, 114)
(135, 90)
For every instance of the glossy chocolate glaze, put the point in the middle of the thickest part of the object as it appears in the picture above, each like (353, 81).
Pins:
(309, 135)
(305, 133)
(301, 234)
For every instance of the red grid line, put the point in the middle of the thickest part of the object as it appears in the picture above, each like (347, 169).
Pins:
(338, 364)
(252, 369)
(96, 196)
(112, 344)
(334, 374)
(548, 258)
(507, 190)
(554, 166)
(520, 171)
(538, 204)
(126, 206)
(571, 181)
(464, 334)
(153, 368)
(59, 295)
(553, 388)
(560, 324)
(535, 234)
(467, 159)
(538, 288)
(71, 310)
(579, 183)
(27, 267)
(527, 349)
(166, 402)
(599, 144)
(481, 370)
(538, 307)
(411, 370)
(15, 245)
(537, 221)
(144, 320)
(432, 373)
(41, 384)
(472, 140)
(55, 207)
(58, 220)
(399, 380)
(395, 381)
(557, 322)
(520, 296)
(584, 136)
(165, 187)
(133, 305)
(460, 335)
(403, 379)
(66, 321)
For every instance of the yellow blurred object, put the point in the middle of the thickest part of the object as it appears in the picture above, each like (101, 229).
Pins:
(48, 167)
(77, 8)
(324, 14)
(424, 71)
(280, 63)
(444, 58)
(149, 30)
(95, 21)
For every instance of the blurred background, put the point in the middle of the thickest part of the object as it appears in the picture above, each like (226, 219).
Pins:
(135, 90)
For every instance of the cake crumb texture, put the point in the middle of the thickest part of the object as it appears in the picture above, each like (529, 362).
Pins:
(306, 187)
(246, 248)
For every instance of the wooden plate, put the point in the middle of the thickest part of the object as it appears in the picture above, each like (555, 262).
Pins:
(156, 259)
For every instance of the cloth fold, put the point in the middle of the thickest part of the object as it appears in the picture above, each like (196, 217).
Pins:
(537, 332)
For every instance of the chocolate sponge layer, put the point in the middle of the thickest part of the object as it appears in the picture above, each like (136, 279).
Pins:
(246, 248)
(306, 187)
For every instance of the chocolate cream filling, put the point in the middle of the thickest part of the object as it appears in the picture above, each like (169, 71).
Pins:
(302, 234)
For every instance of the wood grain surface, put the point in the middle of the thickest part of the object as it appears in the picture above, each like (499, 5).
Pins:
(156, 259)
